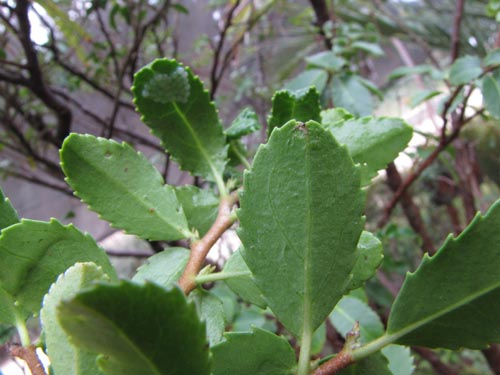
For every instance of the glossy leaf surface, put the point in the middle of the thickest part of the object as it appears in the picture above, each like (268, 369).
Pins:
(34, 253)
(457, 292)
(137, 329)
(301, 218)
(66, 359)
(302, 105)
(253, 353)
(123, 187)
(177, 108)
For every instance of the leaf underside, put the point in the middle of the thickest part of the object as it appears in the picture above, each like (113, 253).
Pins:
(301, 218)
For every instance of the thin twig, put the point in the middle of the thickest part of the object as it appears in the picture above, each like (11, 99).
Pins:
(200, 248)
(28, 354)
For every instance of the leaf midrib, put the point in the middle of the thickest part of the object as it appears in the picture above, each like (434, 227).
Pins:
(121, 186)
(211, 165)
(307, 319)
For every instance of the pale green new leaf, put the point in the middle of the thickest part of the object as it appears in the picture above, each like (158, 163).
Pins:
(372, 142)
(349, 92)
(164, 268)
(453, 299)
(491, 93)
(492, 58)
(371, 48)
(177, 108)
(245, 123)
(244, 286)
(422, 96)
(326, 60)
(253, 353)
(465, 69)
(311, 77)
(369, 257)
(137, 329)
(301, 218)
(66, 359)
(211, 311)
(123, 187)
(8, 215)
(400, 359)
(302, 105)
(318, 340)
(34, 253)
(199, 205)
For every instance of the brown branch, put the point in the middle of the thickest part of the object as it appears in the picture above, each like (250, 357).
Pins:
(434, 360)
(322, 16)
(214, 75)
(334, 365)
(28, 354)
(492, 355)
(410, 208)
(37, 84)
(455, 35)
(200, 248)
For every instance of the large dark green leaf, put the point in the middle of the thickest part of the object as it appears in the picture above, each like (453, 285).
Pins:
(453, 299)
(253, 353)
(123, 187)
(137, 329)
(66, 359)
(372, 142)
(177, 108)
(8, 215)
(301, 218)
(34, 253)
(302, 105)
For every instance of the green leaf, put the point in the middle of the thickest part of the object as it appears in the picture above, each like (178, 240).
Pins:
(491, 93)
(180, 8)
(34, 253)
(371, 48)
(200, 206)
(253, 353)
(137, 329)
(251, 316)
(375, 364)
(8, 215)
(350, 93)
(371, 87)
(334, 117)
(177, 108)
(326, 60)
(318, 340)
(492, 58)
(65, 359)
(351, 310)
(423, 96)
(409, 70)
(302, 105)
(310, 77)
(164, 268)
(244, 286)
(7, 308)
(465, 69)
(369, 257)
(371, 141)
(247, 122)
(301, 218)
(211, 311)
(461, 308)
(400, 359)
(123, 187)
